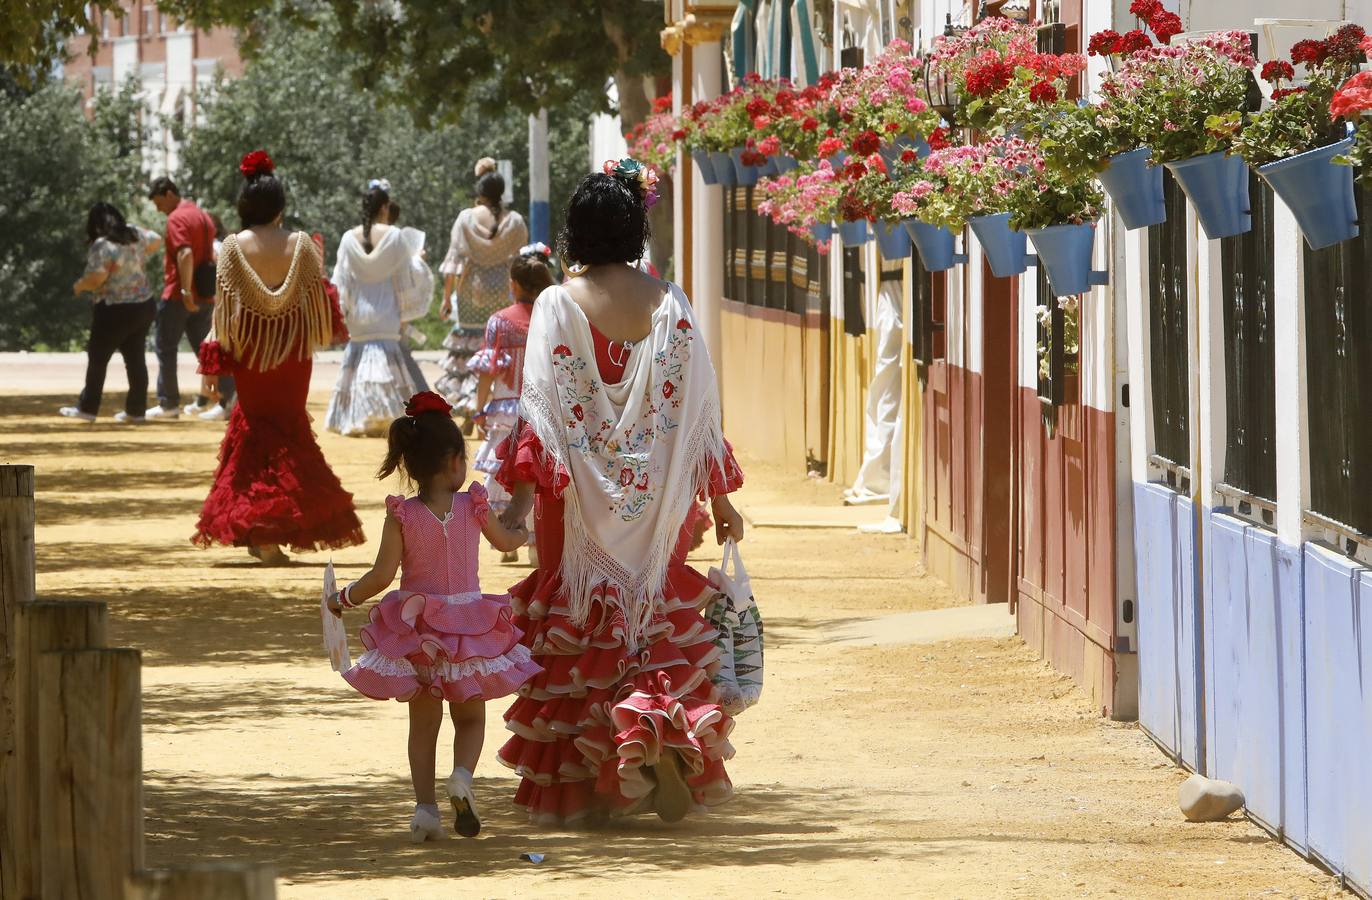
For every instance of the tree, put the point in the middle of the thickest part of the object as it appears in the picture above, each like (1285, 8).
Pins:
(453, 62)
(58, 162)
(328, 138)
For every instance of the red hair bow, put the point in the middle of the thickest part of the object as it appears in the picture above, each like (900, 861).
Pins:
(256, 163)
(427, 402)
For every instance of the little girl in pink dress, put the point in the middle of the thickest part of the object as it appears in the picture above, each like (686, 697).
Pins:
(438, 637)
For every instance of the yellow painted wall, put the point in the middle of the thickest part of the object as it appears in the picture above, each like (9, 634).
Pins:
(763, 388)
(851, 370)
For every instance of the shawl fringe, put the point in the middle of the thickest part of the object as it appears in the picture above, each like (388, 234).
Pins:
(262, 328)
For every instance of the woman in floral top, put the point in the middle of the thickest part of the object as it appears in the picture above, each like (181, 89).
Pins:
(117, 281)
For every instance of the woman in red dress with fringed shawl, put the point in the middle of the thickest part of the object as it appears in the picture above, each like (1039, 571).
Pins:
(619, 433)
(273, 487)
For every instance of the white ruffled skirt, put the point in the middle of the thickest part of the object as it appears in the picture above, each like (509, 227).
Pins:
(376, 379)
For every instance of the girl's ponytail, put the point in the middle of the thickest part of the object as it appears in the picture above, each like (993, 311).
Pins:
(419, 443)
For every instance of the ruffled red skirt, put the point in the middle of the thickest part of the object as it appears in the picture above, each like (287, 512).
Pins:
(273, 485)
(588, 728)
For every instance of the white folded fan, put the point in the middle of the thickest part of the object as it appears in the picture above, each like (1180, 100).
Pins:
(335, 635)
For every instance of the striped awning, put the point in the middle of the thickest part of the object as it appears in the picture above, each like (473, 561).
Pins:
(804, 59)
(743, 39)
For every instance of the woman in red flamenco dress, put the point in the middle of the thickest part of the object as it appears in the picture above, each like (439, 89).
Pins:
(273, 486)
(619, 434)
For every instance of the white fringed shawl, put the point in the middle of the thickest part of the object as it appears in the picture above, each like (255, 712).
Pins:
(637, 452)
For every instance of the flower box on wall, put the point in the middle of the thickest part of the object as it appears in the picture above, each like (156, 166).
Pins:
(1065, 252)
(1006, 249)
(1319, 193)
(1135, 187)
(1217, 186)
(937, 246)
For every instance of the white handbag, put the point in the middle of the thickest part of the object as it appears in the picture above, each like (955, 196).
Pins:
(734, 615)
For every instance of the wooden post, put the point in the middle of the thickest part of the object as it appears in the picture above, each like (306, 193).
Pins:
(16, 586)
(39, 627)
(90, 781)
(212, 881)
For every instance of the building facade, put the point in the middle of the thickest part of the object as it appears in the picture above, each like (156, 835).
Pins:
(1177, 509)
(172, 62)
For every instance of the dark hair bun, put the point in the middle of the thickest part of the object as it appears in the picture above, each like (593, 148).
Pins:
(606, 222)
(261, 199)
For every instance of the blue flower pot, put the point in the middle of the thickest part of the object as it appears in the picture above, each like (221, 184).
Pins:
(892, 239)
(937, 246)
(746, 176)
(822, 231)
(784, 163)
(724, 168)
(1135, 188)
(838, 159)
(706, 166)
(769, 168)
(854, 234)
(1065, 253)
(891, 150)
(1217, 186)
(1006, 250)
(1319, 193)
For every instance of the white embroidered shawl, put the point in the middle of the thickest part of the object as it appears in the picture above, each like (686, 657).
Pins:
(637, 452)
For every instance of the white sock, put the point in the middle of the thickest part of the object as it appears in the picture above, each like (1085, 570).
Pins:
(430, 808)
(463, 775)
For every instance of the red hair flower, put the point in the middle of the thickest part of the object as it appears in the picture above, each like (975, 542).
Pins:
(427, 402)
(256, 163)
(1275, 70)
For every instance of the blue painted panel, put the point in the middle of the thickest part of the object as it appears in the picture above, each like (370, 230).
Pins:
(1167, 658)
(1227, 646)
(1289, 623)
(1335, 707)
(1189, 676)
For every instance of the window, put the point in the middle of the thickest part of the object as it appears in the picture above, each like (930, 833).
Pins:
(1246, 261)
(1167, 332)
(1059, 341)
(927, 296)
(1338, 322)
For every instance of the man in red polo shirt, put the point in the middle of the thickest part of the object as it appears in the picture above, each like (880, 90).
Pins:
(181, 313)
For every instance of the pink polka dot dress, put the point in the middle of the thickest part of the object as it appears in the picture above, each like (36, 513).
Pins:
(438, 632)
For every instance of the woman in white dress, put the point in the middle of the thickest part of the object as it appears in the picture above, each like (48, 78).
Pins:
(476, 281)
(376, 263)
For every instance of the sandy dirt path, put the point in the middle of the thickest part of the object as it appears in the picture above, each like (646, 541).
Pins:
(956, 769)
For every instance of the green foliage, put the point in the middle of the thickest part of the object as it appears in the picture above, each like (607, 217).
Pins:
(296, 100)
(58, 163)
(1293, 124)
(1080, 139)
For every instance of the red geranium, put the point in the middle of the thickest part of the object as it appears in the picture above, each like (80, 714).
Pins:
(1104, 43)
(256, 163)
(758, 106)
(1286, 92)
(908, 156)
(663, 103)
(1165, 25)
(829, 146)
(810, 124)
(1353, 98)
(427, 402)
(866, 143)
(1345, 45)
(1275, 70)
(1145, 9)
(1308, 52)
(679, 134)
(1043, 92)
(1134, 41)
(989, 78)
(938, 139)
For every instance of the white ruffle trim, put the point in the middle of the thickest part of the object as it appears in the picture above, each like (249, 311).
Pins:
(390, 667)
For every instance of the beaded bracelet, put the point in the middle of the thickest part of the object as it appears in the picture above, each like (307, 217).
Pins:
(344, 600)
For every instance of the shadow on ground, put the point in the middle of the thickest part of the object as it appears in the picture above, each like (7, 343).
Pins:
(345, 829)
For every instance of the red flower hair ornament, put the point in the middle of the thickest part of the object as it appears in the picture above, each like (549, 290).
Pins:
(256, 164)
(427, 402)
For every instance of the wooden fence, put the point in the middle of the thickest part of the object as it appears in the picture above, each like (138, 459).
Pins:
(71, 768)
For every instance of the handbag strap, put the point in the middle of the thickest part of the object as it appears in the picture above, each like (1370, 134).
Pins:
(736, 572)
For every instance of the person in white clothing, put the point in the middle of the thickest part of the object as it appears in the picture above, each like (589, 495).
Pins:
(377, 267)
